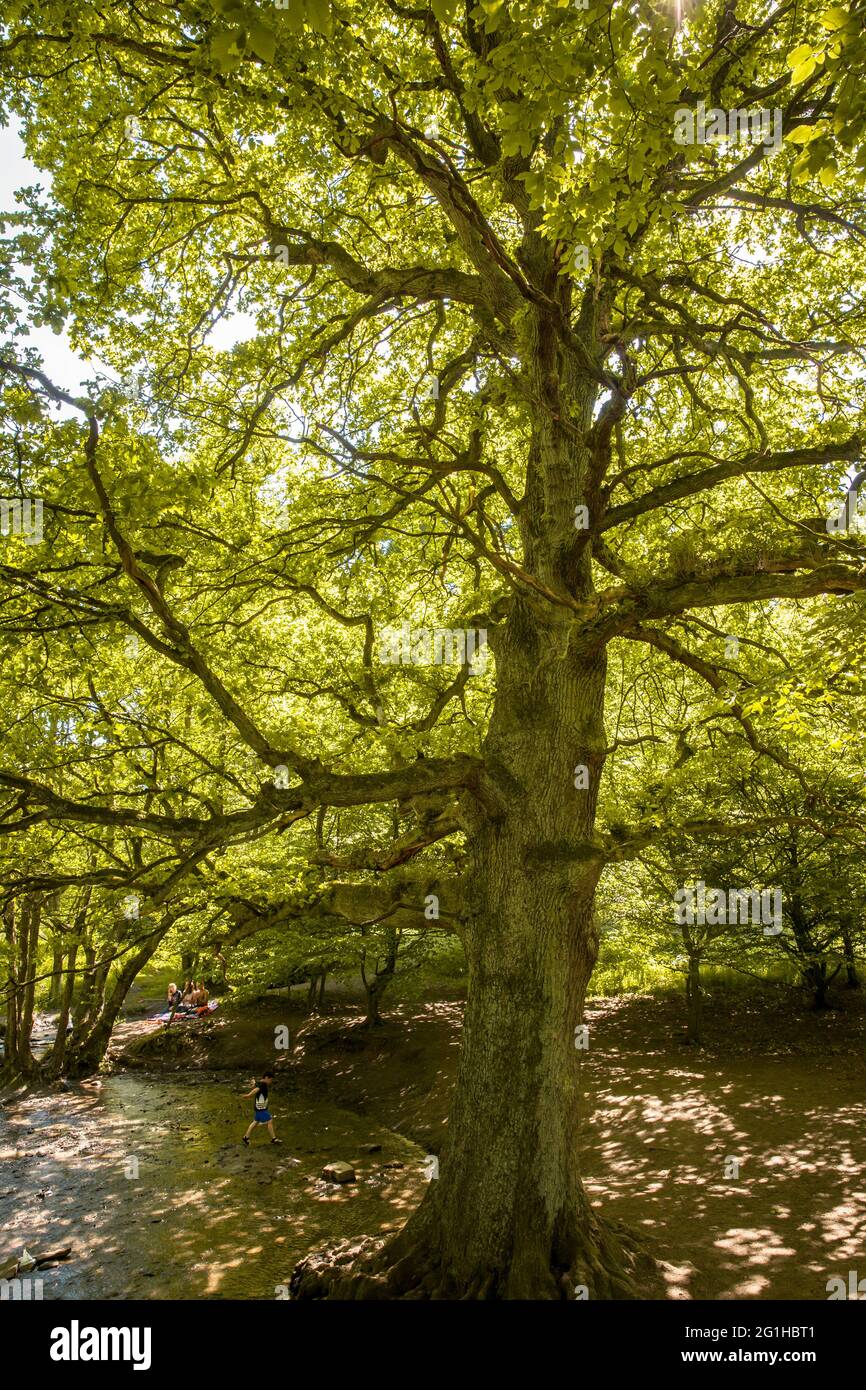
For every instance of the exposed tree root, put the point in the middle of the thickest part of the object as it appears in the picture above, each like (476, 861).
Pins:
(612, 1266)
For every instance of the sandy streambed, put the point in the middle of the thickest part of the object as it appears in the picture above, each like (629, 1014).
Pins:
(145, 1176)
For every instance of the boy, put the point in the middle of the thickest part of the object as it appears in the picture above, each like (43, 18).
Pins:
(261, 1113)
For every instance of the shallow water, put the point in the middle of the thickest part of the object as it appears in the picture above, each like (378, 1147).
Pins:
(146, 1177)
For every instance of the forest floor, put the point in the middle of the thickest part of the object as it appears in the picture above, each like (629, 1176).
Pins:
(780, 1091)
(776, 1087)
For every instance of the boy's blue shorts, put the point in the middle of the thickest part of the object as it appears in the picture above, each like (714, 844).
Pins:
(262, 1116)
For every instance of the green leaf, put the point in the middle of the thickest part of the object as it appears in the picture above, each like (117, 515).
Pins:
(802, 134)
(799, 55)
(319, 16)
(803, 71)
(262, 41)
(224, 48)
(834, 18)
(445, 10)
(293, 18)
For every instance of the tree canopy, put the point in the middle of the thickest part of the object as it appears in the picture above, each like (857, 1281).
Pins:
(425, 319)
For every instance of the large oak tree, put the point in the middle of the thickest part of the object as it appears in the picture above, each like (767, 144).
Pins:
(507, 356)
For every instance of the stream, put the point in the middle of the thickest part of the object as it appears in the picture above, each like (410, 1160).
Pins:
(146, 1177)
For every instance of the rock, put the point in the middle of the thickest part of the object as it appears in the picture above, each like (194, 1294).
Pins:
(371, 1148)
(338, 1172)
(395, 1164)
(62, 1254)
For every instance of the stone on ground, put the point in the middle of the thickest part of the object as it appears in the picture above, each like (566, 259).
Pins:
(338, 1172)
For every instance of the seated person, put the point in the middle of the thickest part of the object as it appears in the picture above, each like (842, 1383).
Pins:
(189, 991)
(174, 996)
(201, 997)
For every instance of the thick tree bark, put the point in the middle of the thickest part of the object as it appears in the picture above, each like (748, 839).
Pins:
(55, 1062)
(812, 963)
(512, 1155)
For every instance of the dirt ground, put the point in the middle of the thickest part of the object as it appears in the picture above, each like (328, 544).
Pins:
(741, 1164)
(664, 1118)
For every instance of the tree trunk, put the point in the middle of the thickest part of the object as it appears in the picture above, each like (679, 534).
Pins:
(212, 973)
(58, 1052)
(372, 992)
(813, 965)
(222, 982)
(28, 956)
(312, 991)
(374, 988)
(13, 1002)
(694, 1001)
(511, 1158)
(512, 1153)
(92, 1035)
(22, 936)
(55, 1062)
(817, 978)
(22, 940)
(56, 986)
(84, 1002)
(97, 998)
(852, 979)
